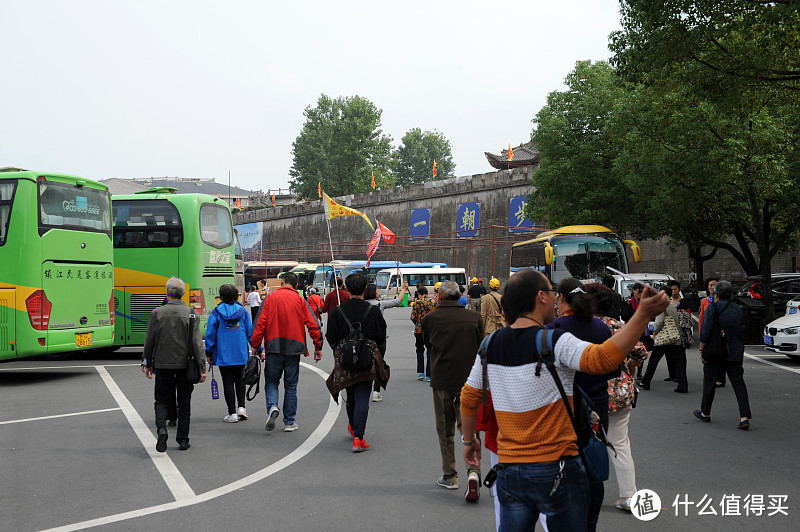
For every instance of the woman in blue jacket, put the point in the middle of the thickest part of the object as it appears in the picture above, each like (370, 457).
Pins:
(227, 334)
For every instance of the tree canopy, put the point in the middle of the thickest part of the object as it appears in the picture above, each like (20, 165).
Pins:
(414, 158)
(697, 129)
(340, 146)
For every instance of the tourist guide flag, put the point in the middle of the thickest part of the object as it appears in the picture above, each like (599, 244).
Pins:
(434, 168)
(373, 244)
(510, 153)
(373, 179)
(333, 209)
(388, 236)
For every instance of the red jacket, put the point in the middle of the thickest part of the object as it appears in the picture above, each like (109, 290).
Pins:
(283, 318)
(315, 302)
(331, 301)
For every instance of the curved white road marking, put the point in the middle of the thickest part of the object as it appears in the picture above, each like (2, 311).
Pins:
(306, 447)
(59, 415)
(169, 471)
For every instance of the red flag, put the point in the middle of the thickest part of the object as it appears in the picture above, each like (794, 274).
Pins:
(319, 188)
(373, 179)
(510, 152)
(388, 236)
(373, 244)
(273, 200)
(434, 168)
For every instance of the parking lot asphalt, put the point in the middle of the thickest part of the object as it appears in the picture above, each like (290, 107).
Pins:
(78, 452)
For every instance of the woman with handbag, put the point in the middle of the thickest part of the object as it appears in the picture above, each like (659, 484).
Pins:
(667, 343)
(621, 399)
(227, 333)
(575, 308)
(722, 349)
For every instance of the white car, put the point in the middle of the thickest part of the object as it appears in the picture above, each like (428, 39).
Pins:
(783, 335)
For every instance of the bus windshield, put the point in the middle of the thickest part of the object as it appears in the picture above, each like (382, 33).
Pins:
(73, 207)
(586, 257)
(215, 225)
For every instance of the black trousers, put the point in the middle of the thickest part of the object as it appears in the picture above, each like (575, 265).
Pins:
(735, 371)
(168, 383)
(358, 407)
(254, 313)
(674, 353)
(232, 386)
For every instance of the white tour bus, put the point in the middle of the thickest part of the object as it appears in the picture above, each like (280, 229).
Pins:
(389, 283)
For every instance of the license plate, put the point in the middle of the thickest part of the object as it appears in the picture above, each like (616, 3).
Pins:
(83, 339)
(792, 310)
(768, 340)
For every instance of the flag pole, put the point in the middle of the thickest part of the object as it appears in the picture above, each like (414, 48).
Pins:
(333, 267)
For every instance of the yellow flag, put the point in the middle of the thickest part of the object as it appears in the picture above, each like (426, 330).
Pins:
(333, 209)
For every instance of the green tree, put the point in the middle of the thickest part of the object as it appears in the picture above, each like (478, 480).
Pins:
(340, 146)
(414, 158)
(721, 78)
(576, 182)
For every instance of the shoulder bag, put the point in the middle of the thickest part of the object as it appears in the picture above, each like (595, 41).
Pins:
(193, 373)
(669, 333)
(716, 350)
(685, 324)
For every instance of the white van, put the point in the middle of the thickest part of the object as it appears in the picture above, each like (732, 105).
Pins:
(388, 282)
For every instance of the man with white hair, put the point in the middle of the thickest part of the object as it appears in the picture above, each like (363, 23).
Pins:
(171, 337)
(453, 334)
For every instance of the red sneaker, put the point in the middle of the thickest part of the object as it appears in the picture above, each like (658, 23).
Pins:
(350, 430)
(359, 445)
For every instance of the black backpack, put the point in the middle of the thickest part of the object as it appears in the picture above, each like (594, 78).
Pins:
(356, 349)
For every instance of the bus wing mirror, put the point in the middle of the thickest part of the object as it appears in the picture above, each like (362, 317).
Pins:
(548, 253)
(635, 249)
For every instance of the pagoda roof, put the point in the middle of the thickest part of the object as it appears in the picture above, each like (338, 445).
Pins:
(525, 154)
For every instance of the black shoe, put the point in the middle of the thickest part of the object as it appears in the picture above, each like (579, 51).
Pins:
(172, 423)
(643, 386)
(183, 445)
(720, 384)
(678, 390)
(161, 443)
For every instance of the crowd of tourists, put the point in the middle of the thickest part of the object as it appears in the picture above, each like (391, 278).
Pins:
(482, 360)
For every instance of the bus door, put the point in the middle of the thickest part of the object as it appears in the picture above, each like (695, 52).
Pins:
(8, 329)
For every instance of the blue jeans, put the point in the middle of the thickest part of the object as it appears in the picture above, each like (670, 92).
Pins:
(358, 407)
(289, 367)
(523, 491)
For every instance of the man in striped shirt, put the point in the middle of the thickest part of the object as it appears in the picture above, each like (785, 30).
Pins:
(539, 469)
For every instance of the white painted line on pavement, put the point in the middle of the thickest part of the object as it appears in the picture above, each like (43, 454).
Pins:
(306, 447)
(769, 362)
(169, 471)
(68, 367)
(58, 415)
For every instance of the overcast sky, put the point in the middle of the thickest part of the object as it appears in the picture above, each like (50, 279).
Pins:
(117, 88)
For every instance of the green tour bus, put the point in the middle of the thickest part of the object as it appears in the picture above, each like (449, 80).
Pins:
(159, 234)
(56, 271)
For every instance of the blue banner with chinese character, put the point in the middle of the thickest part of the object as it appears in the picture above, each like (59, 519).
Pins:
(420, 224)
(517, 220)
(469, 219)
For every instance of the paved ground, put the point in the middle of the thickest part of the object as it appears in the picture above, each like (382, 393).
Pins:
(78, 451)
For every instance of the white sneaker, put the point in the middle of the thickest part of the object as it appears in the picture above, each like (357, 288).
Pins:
(376, 397)
(241, 412)
(291, 428)
(232, 418)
